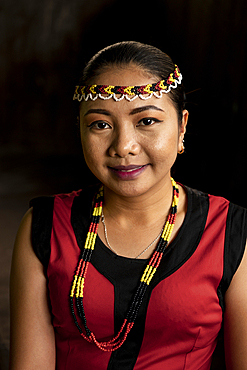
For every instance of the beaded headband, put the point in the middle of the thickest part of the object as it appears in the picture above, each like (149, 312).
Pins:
(130, 93)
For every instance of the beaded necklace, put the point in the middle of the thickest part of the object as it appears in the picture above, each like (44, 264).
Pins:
(77, 288)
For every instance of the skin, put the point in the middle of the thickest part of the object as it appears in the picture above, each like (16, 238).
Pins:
(32, 344)
(235, 319)
(141, 133)
(126, 139)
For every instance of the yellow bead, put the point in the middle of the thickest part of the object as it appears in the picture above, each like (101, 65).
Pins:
(92, 89)
(73, 286)
(82, 287)
(78, 287)
(108, 89)
(82, 90)
(151, 276)
(127, 90)
(144, 274)
(162, 86)
(148, 274)
(147, 89)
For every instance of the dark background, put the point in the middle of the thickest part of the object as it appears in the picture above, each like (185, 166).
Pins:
(44, 45)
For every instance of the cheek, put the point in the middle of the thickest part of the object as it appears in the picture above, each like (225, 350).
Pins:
(164, 146)
(88, 152)
(93, 153)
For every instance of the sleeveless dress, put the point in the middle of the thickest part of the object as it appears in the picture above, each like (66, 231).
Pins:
(180, 318)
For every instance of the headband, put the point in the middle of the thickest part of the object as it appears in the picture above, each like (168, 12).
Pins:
(129, 92)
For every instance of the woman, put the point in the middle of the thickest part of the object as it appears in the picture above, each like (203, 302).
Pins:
(140, 275)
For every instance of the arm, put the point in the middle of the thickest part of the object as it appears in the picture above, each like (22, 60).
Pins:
(235, 319)
(32, 345)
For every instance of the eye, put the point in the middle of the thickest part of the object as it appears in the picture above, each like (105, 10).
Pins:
(99, 125)
(148, 121)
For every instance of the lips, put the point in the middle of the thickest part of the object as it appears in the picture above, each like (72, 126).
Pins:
(126, 168)
(128, 172)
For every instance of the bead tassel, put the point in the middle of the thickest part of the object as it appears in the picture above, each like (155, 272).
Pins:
(77, 287)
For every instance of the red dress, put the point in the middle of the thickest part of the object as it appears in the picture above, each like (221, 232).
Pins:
(181, 315)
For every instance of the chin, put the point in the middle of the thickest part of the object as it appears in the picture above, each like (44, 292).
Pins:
(129, 189)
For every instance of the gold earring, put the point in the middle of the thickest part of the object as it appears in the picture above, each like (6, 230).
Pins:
(183, 148)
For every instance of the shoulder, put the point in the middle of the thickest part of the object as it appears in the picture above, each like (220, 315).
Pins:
(222, 211)
(195, 193)
(235, 318)
(224, 215)
(23, 254)
(232, 219)
(46, 211)
(29, 310)
(43, 209)
(201, 204)
(43, 201)
(24, 231)
(44, 205)
(83, 194)
(218, 202)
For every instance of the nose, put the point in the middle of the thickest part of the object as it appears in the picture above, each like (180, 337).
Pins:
(124, 143)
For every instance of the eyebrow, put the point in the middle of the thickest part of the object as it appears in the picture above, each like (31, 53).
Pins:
(144, 108)
(99, 111)
(134, 111)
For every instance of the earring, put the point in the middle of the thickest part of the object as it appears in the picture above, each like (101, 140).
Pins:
(183, 148)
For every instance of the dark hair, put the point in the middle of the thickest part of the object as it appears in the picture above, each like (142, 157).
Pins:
(147, 57)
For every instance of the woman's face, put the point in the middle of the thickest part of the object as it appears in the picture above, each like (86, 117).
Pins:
(130, 146)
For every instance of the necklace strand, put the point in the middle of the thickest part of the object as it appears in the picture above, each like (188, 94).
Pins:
(77, 287)
(108, 243)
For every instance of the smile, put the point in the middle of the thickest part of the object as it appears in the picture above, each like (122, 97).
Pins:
(127, 172)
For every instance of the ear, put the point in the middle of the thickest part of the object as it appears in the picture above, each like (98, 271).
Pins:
(182, 130)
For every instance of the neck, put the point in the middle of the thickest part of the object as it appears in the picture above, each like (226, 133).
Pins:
(144, 208)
